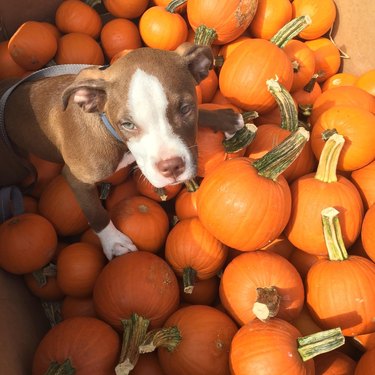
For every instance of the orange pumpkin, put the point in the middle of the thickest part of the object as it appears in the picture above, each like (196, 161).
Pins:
(357, 126)
(74, 16)
(315, 191)
(363, 178)
(163, 28)
(59, 205)
(205, 336)
(78, 266)
(261, 284)
(219, 22)
(339, 79)
(334, 362)
(148, 363)
(33, 45)
(250, 65)
(368, 232)
(80, 344)
(209, 86)
(227, 48)
(322, 14)
(126, 189)
(342, 282)
(327, 57)
(193, 252)
(79, 48)
(205, 292)
(186, 204)
(366, 81)
(270, 17)
(9, 68)
(126, 9)
(75, 306)
(143, 220)
(366, 364)
(27, 243)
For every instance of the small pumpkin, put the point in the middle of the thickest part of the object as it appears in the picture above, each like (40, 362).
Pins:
(33, 45)
(27, 243)
(368, 232)
(126, 189)
(9, 68)
(366, 363)
(186, 203)
(126, 9)
(339, 79)
(366, 81)
(363, 178)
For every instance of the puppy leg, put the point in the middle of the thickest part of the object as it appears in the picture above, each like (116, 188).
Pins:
(113, 241)
(225, 120)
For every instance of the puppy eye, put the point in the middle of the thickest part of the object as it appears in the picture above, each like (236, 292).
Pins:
(127, 125)
(186, 109)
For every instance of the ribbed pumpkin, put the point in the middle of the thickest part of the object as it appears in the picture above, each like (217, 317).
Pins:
(27, 243)
(261, 284)
(82, 345)
(138, 282)
(275, 347)
(79, 48)
(322, 14)
(229, 199)
(143, 220)
(338, 80)
(60, 206)
(205, 334)
(33, 45)
(78, 266)
(193, 252)
(220, 22)
(315, 191)
(205, 292)
(9, 68)
(338, 292)
(270, 17)
(186, 203)
(366, 81)
(357, 126)
(163, 28)
(250, 65)
(126, 9)
(368, 232)
(119, 34)
(74, 16)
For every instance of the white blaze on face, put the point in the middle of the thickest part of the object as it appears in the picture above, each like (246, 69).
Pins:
(147, 103)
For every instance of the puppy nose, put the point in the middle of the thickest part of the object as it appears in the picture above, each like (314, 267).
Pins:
(172, 167)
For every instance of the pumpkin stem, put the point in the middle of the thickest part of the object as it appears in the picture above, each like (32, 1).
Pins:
(274, 162)
(168, 337)
(41, 275)
(332, 234)
(288, 109)
(52, 310)
(204, 35)
(174, 4)
(290, 30)
(188, 278)
(191, 185)
(64, 368)
(105, 189)
(240, 139)
(267, 303)
(249, 116)
(305, 109)
(310, 85)
(135, 330)
(93, 3)
(318, 343)
(326, 171)
(161, 193)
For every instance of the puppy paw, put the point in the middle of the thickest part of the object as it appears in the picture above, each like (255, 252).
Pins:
(114, 242)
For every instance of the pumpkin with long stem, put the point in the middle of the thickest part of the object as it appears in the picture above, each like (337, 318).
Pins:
(276, 347)
(246, 203)
(193, 252)
(261, 284)
(338, 289)
(315, 191)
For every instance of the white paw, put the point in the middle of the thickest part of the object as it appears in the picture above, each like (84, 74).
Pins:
(114, 242)
(239, 125)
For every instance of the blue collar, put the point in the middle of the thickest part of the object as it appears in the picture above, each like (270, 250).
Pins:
(109, 126)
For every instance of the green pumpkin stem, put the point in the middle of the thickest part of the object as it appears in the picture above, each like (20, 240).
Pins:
(267, 303)
(318, 343)
(93, 3)
(191, 185)
(274, 162)
(161, 193)
(64, 368)
(135, 330)
(311, 84)
(290, 30)
(204, 36)
(326, 171)
(168, 337)
(332, 234)
(189, 276)
(288, 109)
(174, 4)
(241, 138)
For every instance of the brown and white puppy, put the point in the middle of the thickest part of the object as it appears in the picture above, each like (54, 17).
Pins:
(148, 100)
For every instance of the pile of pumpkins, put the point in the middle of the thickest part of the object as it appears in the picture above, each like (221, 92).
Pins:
(264, 263)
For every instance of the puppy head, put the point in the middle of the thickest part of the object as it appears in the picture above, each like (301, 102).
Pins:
(149, 97)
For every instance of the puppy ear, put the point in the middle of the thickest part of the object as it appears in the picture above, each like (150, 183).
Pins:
(89, 91)
(199, 59)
